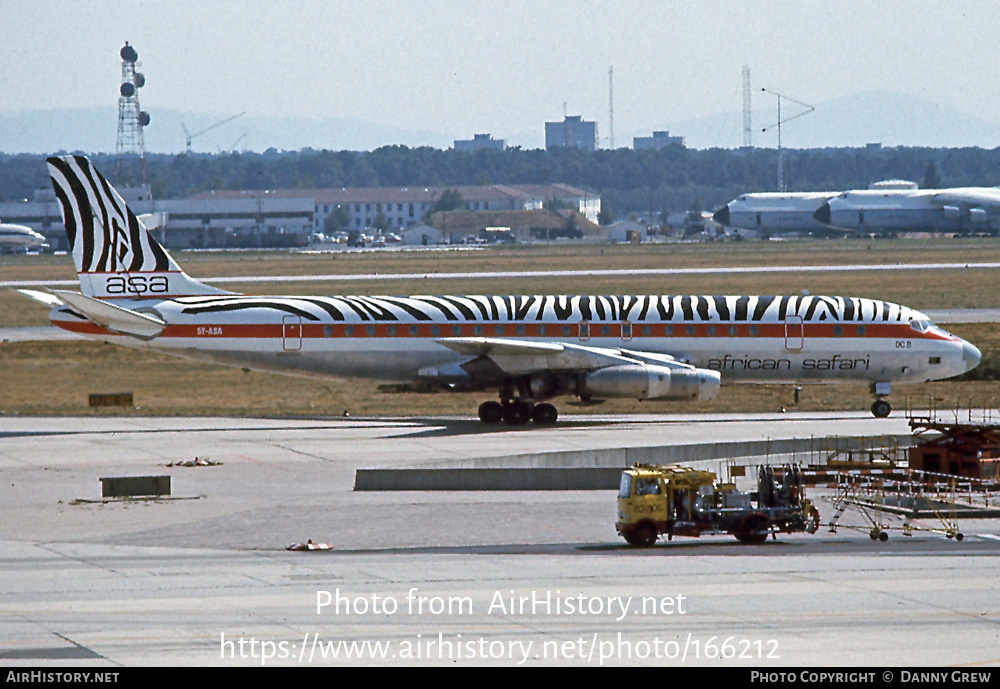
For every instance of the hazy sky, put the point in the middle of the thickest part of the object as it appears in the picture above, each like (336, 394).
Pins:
(499, 67)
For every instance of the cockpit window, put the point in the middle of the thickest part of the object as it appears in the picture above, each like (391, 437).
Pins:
(927, 326)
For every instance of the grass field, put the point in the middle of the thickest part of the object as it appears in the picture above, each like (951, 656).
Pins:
(921, 289)
(56, 377)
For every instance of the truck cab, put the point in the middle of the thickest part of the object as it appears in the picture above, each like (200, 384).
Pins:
(681, 501)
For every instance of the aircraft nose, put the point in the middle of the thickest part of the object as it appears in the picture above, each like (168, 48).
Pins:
(721, 216)
(822, 214)
(971, 355)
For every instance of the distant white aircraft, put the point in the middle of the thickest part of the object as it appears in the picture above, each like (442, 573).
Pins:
(529, 349)
(768, 212)
(966, 209)
(19, 239)
(889, 207)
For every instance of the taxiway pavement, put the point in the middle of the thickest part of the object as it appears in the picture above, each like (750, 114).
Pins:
(496, 578)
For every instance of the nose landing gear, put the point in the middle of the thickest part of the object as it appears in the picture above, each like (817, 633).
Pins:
(880, 408)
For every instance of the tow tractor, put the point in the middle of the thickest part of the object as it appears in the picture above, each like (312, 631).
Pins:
(681, 501)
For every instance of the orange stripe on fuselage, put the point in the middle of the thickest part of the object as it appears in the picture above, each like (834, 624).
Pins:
(513, 330)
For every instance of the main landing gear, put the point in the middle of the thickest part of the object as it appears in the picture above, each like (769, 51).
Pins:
(517, 412)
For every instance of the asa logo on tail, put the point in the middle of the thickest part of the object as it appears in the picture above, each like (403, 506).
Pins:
(137, 284)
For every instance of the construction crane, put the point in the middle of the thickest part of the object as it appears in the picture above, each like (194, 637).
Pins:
(232, 147)
(188, 135)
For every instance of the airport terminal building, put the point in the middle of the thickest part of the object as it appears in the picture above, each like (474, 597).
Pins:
(290, 217)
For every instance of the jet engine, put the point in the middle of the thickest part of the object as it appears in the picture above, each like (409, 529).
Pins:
(951, 212)
(647, 382)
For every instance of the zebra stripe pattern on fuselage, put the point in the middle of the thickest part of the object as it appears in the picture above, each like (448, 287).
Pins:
(546, 308)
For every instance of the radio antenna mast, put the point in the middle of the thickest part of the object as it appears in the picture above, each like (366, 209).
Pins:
(781, 152)
(611, 106)
(747, 123)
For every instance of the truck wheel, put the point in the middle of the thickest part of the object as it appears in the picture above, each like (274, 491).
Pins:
(642, 537)
(812, 521)
(753, 529)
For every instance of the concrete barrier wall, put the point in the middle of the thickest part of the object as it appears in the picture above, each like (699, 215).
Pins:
(599, 469)
(487, 479)
(804, 450)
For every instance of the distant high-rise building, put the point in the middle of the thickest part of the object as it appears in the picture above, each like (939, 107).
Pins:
(572, 132)
(657, 141)
(478, 142)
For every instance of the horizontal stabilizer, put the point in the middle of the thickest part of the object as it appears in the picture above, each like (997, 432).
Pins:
(115, 318)
(47, 298)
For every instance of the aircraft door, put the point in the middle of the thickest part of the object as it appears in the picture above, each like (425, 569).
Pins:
(291, 333)
(794, 333)
(626, 331)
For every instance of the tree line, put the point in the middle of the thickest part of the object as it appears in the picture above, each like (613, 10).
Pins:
(670, 179)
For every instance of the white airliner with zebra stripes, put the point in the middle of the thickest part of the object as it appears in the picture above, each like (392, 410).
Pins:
(530, 349)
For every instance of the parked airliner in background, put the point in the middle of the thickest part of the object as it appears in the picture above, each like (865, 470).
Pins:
(20, 239)
(964, 210)
(768, 212)
(890, 207)
(528, 348)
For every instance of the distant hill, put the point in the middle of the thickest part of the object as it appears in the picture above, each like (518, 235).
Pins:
(892, 119)
(95, 130)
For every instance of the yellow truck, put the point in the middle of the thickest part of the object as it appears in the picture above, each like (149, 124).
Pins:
(681, 501)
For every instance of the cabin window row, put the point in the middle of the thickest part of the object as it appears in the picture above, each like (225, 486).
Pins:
(583, 330)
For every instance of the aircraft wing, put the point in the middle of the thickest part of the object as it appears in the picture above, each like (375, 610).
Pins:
(986, 197)
(579, 369)
(977, 206)
(515, 357)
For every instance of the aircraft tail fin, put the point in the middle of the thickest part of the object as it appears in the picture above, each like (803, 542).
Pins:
(115, 255)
